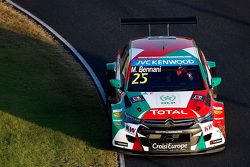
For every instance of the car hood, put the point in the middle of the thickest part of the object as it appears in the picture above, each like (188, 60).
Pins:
(163, 105)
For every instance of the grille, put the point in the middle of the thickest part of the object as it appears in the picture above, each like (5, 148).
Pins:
(165, 138)
(169, 131)
(169, 124)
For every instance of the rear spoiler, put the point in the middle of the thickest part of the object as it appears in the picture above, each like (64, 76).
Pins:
(157, 21)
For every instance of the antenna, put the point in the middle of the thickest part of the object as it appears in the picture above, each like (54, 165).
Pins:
(149, 30)
(168, 29)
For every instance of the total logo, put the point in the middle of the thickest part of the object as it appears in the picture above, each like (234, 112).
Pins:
(167, 99)
(169, 112)
(170, 146)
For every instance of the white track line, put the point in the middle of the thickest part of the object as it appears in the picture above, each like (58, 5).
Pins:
(121, 160)
(77, 54)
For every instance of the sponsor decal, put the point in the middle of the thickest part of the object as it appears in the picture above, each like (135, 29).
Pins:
(121, 143)
(222, 129)
(117, 110)
(130, 129)
(118, 123)
(152, 57)
(208, 128)
(218, 108)
(142, 69)
(164, 62)
(216, 141)
(117, 114)
(198, 97)
(169, 112)
(169, 147)
(169, 132)
(137, 98)
(218, 119)
(167, 99)
(217, 112)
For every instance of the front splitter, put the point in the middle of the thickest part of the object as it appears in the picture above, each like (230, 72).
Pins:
(150, 153)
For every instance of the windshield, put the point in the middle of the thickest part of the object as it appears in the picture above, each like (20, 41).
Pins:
(165, 78)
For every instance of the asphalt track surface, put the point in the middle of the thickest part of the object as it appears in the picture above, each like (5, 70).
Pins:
(223, 33)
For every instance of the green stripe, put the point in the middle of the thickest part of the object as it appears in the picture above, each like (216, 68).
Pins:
(179, 53)
(201, 145)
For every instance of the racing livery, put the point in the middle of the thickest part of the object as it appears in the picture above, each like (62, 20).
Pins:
(162, 97)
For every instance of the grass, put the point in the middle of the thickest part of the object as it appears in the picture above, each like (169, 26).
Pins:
(50, 113)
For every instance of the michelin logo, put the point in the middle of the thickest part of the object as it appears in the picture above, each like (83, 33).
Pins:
(164, 62)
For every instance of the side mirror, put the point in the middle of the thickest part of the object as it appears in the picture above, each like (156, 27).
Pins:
(110, 66)
(116, 83)
(211, 64)
(216, 81)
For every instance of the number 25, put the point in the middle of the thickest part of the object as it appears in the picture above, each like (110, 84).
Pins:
(137, 76)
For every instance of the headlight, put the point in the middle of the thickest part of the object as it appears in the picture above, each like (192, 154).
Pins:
(130, 119)
(206, 118)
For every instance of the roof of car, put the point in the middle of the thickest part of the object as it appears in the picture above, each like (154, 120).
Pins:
(158, 46)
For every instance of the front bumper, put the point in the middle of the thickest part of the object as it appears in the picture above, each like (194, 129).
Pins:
(200, 152)
(154, 140)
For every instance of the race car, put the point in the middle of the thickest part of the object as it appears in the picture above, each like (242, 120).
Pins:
(162, 96)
